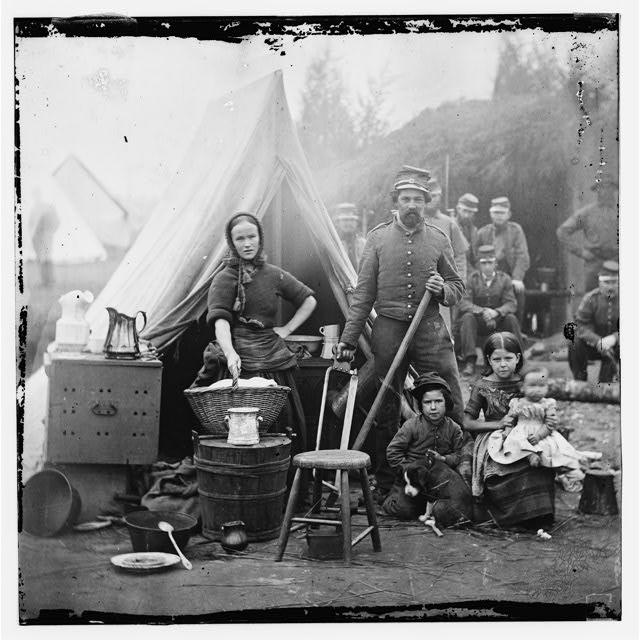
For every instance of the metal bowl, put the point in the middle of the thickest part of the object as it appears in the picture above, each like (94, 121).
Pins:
(312, 343)
(145, 535)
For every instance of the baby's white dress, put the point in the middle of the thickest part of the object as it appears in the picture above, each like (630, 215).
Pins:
(528, 417)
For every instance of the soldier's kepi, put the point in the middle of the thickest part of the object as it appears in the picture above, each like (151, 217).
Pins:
(404, 258)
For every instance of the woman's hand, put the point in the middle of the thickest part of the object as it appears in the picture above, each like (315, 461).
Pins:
(533, 439)
(234, 364)
(435, 455)
(299, 317)
(283, 332)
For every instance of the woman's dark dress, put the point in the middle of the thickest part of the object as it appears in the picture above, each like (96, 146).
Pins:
(262, 351)
(511, 493)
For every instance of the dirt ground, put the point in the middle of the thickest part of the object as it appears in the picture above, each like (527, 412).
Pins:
(478, 572)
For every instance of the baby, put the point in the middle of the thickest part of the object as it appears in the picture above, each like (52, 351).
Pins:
(529, 429)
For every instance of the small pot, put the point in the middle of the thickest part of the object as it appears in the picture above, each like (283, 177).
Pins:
(234, 536)
(146, 536)
(243, 425)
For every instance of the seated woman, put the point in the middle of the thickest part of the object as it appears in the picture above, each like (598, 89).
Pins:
(517, 492)
(242, 309)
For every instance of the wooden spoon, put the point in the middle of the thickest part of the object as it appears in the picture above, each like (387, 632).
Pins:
(165, 526)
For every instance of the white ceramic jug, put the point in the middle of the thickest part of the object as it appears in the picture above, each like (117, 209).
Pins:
(72, 329)
(243, 425)
(330, 331)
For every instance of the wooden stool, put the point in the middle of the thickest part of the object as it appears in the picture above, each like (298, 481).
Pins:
(342, 461)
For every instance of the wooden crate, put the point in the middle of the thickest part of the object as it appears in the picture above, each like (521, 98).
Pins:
(103, 411)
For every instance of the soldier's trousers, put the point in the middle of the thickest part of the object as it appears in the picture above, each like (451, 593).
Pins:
(430, 350)
(579, 355)
(473, 332)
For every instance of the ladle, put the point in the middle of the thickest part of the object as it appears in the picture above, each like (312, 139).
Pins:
(165, 526)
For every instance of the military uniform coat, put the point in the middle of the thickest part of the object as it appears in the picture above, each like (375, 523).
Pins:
(510, 243)
(599, 226)
(394, 269)
(498, 295)
(598, 316)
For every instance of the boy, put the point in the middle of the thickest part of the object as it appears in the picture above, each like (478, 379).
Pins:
(431, 431)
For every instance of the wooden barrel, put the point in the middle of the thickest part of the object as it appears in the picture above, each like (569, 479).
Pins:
(245, 483)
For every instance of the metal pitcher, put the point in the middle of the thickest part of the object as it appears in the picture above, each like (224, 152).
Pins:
(122, 336)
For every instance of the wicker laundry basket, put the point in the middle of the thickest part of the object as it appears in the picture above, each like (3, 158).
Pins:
(211, 405)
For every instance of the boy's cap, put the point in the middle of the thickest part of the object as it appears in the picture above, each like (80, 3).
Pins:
(428, 380)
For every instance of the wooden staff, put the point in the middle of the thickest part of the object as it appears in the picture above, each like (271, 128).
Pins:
(404, 345)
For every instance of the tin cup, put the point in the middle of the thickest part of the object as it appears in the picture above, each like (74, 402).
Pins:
(330, 331)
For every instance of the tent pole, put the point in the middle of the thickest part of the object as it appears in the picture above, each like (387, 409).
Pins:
(276, 210)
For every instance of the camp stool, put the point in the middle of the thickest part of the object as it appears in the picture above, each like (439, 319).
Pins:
(342, 461)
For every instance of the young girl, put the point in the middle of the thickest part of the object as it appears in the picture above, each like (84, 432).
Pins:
(491, 396)
(515, 493)
(529, 429)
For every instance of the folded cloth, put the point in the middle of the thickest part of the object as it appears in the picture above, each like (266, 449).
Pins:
(174, 488)
(256, 382)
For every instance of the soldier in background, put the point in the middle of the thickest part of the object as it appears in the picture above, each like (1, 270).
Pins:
(464, 214)
(433, 215)
(598, 222)
(510, 244)
(45, 222)
(598, 327)
(347, 222)
(488, 305)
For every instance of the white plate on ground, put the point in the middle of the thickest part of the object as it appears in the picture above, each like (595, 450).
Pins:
(92, 526)
(145, 561)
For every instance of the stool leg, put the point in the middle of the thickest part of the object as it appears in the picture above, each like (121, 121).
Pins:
(288, 516)
(345, 512)
(371, 510)
(317, 491)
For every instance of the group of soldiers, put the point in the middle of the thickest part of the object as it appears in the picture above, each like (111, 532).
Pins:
(494, 259)
(478, 274)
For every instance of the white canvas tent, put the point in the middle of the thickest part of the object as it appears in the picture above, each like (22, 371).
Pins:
(245, 156)
(107, 218)
(53, 230)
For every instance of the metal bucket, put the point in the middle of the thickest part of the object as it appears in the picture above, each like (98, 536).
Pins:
(325, 544)
(49, 504)
(245, 483)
